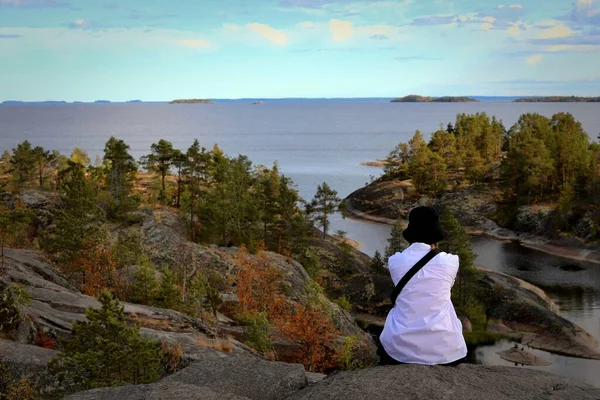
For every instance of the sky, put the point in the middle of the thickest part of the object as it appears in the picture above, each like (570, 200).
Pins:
(158, 50)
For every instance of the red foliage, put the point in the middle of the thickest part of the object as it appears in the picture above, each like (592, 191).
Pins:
(47, 342)
(98, 269)
(259, 290)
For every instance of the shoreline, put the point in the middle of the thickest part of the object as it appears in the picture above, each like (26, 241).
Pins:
(570, 253)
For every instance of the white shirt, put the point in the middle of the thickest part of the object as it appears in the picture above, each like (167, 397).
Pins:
(423, 328)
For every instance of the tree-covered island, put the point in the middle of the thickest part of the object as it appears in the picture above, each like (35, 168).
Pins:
(413, 98)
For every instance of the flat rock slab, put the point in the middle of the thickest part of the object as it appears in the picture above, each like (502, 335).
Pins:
(463, 382)
(155, 392)
(215, 376)
(521, 356)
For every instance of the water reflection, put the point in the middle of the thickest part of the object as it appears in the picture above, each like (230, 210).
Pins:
(576, 288)
(583, 370)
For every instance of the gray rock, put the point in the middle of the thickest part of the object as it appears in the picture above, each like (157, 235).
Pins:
(464, 382)
(215, 376)
(22, 360)
(155, 392)
(254, 378)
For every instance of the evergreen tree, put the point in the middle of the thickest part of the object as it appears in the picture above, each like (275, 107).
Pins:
(5, 162)
(458, 242)
(145, 282)
(396, 242)
(572, 148)
(179, 160)
(323, 205)
(42, 158)
(378, 263)
(444, 144)
(121, 168)
(77, 219)
(169, 294)
(23, 162)
(396, 163)
(13, 221)
(160, 161)
(105, 351)
(196, 172)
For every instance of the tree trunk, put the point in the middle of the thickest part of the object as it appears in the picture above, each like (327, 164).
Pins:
(178, 204)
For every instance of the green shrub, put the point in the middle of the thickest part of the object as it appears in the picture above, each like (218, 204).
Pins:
(344, 303)
(105, 351)
(11, 299)
(347, 354)
(256, 330)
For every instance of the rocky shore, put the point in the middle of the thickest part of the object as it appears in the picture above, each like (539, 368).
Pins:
(385, 201)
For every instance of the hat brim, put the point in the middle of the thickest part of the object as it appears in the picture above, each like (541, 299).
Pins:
(432, 236)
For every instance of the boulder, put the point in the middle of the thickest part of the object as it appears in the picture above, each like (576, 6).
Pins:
(19, 361)
(463, 382)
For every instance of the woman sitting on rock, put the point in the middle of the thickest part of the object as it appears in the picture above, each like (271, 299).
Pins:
(422, 327)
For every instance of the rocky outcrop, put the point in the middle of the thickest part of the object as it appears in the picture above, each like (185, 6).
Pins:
(231, 380)
(520, 309)
(463, 382)
(18, 361)
(164, 239)
(216, 376)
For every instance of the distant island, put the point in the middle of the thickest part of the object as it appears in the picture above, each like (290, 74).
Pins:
(134, 101)
(192, 101)
(102, 101)
(413, 98)
(558, 99)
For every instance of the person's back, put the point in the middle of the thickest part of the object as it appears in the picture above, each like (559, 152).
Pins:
(422, 327)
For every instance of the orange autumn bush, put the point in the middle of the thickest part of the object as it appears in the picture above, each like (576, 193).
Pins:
(259, 286)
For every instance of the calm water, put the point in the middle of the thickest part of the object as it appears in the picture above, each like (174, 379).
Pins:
(323, 141)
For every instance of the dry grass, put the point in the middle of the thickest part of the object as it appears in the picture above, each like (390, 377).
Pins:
(223, 345)
(172, 353)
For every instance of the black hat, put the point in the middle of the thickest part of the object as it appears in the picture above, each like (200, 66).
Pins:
(424, 226)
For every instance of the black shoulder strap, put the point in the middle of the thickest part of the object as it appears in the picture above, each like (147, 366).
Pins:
(407, 277)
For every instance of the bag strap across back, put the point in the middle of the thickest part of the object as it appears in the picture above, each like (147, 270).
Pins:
(407, 277)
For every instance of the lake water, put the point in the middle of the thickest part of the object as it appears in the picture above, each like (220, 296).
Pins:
(319, 141)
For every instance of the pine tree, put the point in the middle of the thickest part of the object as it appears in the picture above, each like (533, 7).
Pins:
(378, 263)
(160, 161)
(105, 351)
(396, 242)
(23, 162)
(458, 242)
(169, 294)
(196, 171)
(396, 163)
(78, 218)
(13, 221)
(145, 282)
(42, 158)
(121, 168)
(323, 205)
(178, 162)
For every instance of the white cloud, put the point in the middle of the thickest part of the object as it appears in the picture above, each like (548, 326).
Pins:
(585, 2)
(555, 32)
(513, 6)
(486, 26)
(489, 20)
(271, 34)
(340, 30)
(80, 24)
(231, 27)
(580, 48)
(307, 24)
(194, 43)
(515, 29)
(534, 59)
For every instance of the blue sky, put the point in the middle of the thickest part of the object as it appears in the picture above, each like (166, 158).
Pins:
(160, 50)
